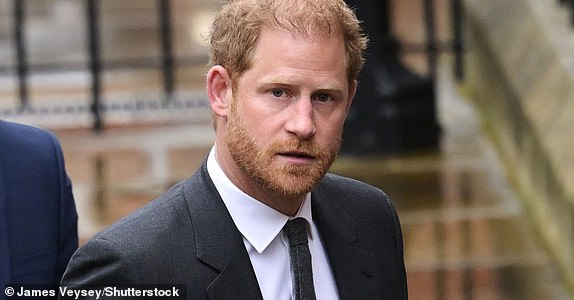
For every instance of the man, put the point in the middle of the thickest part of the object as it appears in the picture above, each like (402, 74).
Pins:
(282, 79)
(38, 231)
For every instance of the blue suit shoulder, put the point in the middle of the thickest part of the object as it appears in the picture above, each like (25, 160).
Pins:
(41, 219)
(21, 141)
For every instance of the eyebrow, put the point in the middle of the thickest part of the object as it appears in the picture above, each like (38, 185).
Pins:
(286, 82)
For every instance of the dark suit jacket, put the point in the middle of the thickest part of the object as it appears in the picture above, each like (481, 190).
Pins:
(38, 231)
(188, 237)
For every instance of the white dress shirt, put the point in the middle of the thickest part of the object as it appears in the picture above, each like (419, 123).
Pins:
(267, 246)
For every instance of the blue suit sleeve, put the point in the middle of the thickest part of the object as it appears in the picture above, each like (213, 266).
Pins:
(68, 232)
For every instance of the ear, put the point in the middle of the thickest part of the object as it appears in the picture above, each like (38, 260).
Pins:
(352, 92)
(218, 85)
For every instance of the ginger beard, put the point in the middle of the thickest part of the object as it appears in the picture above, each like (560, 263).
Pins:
(262, 165)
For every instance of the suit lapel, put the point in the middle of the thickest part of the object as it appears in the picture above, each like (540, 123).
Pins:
(219, 243)
(354, 269)
(5, 270)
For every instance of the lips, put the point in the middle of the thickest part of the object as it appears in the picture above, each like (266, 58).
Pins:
(297, 155)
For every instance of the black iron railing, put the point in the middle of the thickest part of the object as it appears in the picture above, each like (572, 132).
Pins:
(96, 65)
(95, 61)
(21, 52)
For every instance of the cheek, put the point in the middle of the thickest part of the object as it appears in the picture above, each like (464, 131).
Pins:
(260, 118)
(253, 122)
(329, 136)
(334, 124)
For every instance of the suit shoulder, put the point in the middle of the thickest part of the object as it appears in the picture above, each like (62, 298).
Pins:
(355, 196)
(155, 218)
(349, 186)
(28, 141)
(22, 133)
(137, 243)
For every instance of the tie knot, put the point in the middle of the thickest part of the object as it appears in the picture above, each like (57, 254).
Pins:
(296, 231)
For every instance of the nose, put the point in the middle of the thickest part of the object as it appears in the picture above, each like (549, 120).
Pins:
(300, 121)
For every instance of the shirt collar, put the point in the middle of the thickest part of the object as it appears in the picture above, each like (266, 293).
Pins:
(258, 223)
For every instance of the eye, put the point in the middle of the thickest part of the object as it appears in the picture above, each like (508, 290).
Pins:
(323, 97)
(278, 93)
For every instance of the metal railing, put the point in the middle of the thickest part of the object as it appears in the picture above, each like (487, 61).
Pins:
(96, 65)
(432, 46)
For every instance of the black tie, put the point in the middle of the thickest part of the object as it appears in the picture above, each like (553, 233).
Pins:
(296, 231)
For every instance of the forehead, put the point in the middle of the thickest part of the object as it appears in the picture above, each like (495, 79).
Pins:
(312, 51)
(281, 55)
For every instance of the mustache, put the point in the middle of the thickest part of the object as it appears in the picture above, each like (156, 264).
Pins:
(301, 147)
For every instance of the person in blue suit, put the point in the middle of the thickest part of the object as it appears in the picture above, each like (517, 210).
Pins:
(38, 219)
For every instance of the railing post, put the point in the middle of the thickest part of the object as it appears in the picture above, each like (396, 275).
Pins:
(428, 10)
(166, 49)
(456, 10)
(95, 62)
(21, 52)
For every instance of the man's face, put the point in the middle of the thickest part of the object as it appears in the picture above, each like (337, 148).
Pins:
(288, 110)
